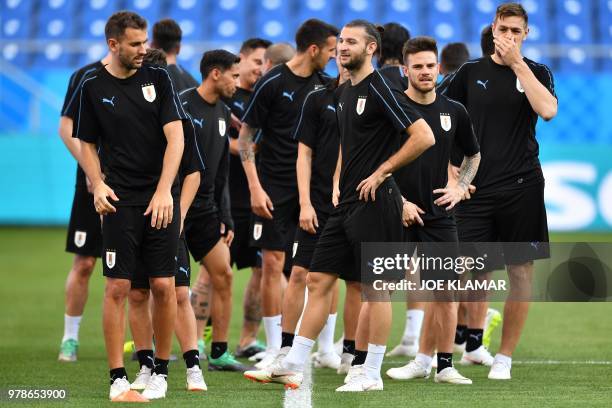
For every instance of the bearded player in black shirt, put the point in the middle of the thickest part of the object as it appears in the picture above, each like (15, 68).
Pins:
(84, 237)
(132, 111)
(274, 108)
(429, 200)
(370, 116)
(505, 94)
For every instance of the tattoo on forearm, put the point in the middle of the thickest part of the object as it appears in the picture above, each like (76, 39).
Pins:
(467, 171)
(245, 145)
(247, 155)
(200, 301)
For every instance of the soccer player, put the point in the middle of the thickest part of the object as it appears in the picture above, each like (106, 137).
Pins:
(505, 94)
(487, 46)
(84, 234)
(394, 36)
(370, 117)
(167, 36)
(139, 316)
(428, 201)
(242, 253)
(274, 108)
(133, 111)
(209, 226)
(276, 54)
(453, 55)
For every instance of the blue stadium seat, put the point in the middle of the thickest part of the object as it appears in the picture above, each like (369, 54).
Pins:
(539, 31)
(228, 20)
(93, 16)
(605, 33)
(354, 9)
(406, 13)
(190, 16)
(55, 25)
(273, 20)
(444, 21)
(574, 27)
(15, 24)
(148, 9)
(481, 14)
(321, 9)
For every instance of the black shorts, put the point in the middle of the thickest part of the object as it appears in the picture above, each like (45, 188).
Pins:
(288, 255)
(304, 243)
(130, 242)
(202, 232)
(437, 239)
(242, 253)
(516, 218)
(339, 248)
(183, 269)
(276, 234)
(85, 228)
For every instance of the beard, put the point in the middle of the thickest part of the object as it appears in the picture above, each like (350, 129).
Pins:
(355, 62)
(422, 88)
(128, 63)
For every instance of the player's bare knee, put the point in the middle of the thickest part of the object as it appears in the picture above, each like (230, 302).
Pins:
(222, 280)
(298, 276)
(117, 289)
(162, 288)
(138, 297)
(84, 265)
(182, 296)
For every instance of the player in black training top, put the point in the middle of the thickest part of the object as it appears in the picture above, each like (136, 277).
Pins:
(84, 238)
(139, 317)
(209, 226)
(390, 62)
(370, 117)
(428, 201)
(132, 111)
(167, 36)
(505, 94)
(274, 108)
(242, 253)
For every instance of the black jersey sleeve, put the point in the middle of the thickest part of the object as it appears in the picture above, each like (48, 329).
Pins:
(465, 137)
(170, 108)
(392, 103)
(456, 85)
(545, 76)
(190, 162)
(87, 127)
(68, 106)
(307, 125)
(260, 103)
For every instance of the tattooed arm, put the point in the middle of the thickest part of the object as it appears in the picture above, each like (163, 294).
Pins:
(260, 202)
(454, 192)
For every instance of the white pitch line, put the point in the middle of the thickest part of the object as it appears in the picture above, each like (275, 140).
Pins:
(302, 397)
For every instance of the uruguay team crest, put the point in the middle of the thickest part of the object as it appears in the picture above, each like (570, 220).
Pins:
(79, 238)
(445, 121)
(149, 92)
(519, 87)
(361, 104)
(257, 228)
(295, 247)
(222, 127)
(111, 257)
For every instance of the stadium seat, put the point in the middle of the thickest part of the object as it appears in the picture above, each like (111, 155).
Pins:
(55, 25)
(574, 27)
(148, 9)
(274, 20)
(321, 9)
(535, 46)
(605, 33)
(228, 20)
(406, 13)
(93, 16)
(354, 9)
(16, 25)
(190, 16)
(444, 21)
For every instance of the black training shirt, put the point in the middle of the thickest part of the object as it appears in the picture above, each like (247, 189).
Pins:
(126, 116)
(317, 128)
(211, 122)
(274, 108)
(503, 119)
(394, 74)
(451, 126)
(70, 108)
(371, 116)
(181, 78)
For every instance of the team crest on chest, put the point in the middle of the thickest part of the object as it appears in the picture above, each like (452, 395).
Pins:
(222, 127)
(445, 121)
(257, 228)
(519, 87)
(111, 257)
(79, 238)
(361, 101)
(148, 90)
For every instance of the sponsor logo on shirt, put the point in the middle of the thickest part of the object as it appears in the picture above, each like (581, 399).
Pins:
(483, 83)
(110, 101)
(361, 101)
(111, 257)
(289, 95)
(79, 238)
(148, 90)
(445, 121)
(239, 105)
(199, 122)
(340, 105)
(222, 127)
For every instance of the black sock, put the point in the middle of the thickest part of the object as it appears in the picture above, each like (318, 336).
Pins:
(287, 339)
(145, 358)
(209, 321)
(474, 339)
(348, 346)
(191, 358)
(161, 366)
(445, 360)
(460, 334)
(117, 373)
(218, 348)
(360, 357)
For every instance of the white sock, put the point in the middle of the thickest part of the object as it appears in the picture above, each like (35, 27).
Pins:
(414, 321)
(504, 359)
(273, 329)
(71, 327)
(326, 337)
(299, 353)
(374, 360)
(424, 360)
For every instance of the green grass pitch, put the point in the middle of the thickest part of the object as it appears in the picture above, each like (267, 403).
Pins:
(33, 267)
